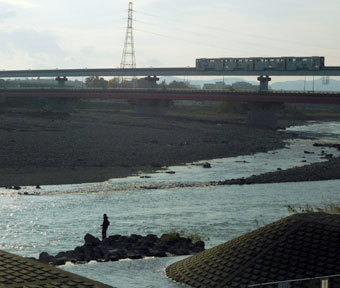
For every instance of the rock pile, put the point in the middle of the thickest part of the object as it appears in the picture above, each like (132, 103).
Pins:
(118, 247)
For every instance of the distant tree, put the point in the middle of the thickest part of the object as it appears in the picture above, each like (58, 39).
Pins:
(113, 83)
(179, 85)
(163, 85)
(126, 84)
(244, 86)
(96, 82)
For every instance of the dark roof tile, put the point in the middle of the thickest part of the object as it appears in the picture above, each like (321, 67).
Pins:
(299, 246)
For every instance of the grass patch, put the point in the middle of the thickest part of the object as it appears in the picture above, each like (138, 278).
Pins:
(329, 208)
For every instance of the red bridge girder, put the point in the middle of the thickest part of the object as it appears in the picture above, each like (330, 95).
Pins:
(192, 95)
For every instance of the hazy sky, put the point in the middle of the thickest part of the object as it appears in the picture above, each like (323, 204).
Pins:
(83, 33)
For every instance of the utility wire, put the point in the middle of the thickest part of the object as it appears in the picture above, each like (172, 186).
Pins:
(190, 41)
(212, 36)
(231, 31)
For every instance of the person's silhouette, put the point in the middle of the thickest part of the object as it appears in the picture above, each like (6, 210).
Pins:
(105, 225)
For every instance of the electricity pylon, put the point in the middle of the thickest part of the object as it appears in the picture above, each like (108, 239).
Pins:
(128, 57)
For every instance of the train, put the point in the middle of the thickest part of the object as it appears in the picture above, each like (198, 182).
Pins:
(261, 64)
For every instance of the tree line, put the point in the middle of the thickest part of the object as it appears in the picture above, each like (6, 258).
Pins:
(100, 82)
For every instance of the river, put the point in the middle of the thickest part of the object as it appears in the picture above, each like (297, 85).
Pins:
(60, 216)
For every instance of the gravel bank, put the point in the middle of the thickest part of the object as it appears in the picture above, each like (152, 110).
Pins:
(329, 170)
(96, 146)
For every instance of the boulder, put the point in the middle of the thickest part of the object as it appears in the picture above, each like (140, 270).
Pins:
(91, 240)
(170, 238)
(121, 247)
(100, 252)
(88, 253)
(134, 238)
(44, 257)
(157, 253)
(59, 261)
(118, 253)
(152, 237)
(206, 165)
(198, 247)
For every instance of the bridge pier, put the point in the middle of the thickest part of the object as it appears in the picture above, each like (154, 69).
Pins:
(152, 106)
(264, 82)
(261, 114)
(61, 81)
(152, 81)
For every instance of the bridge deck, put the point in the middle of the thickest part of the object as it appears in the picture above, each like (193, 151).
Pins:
(167, 71)
(193, 95)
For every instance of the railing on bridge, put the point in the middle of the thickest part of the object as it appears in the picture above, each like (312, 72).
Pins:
(330, 281)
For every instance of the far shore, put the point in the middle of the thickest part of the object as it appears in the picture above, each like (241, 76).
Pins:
(329, 170)
(94, 145)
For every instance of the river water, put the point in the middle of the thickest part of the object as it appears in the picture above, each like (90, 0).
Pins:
(60, 216)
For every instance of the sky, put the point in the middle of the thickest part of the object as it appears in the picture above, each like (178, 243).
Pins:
(46, 34)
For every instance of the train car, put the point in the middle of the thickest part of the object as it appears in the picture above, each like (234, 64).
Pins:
(201, 64)
(210, 64)
(238, 64)
(274, 63)
(304, 63)
(261, 64)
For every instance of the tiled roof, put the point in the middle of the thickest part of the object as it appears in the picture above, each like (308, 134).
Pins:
(299, 246)
(19, 272)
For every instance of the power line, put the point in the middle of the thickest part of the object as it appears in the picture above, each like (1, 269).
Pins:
(231, 31)
(205, 36)
(190, 41)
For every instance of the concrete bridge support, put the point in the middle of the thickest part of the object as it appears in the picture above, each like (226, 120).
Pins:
(61, 81)
(152, 106)
(152, 81)
(264, 83)
(261, 114)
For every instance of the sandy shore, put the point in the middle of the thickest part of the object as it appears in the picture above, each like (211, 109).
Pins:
(96, 145)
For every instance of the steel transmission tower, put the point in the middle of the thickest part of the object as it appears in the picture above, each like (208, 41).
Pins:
(128, 57)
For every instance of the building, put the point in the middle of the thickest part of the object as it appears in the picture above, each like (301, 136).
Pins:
(298, 251)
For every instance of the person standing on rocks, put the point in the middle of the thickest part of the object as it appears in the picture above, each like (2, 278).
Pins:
(105, 225)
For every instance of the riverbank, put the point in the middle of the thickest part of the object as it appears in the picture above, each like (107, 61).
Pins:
(329, 170)
(96, 145)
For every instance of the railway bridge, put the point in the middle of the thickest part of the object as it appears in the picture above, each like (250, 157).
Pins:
(264, 103)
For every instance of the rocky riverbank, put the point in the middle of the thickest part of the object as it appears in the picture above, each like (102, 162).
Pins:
(329, 170)
(119, 247)
(95, 145)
